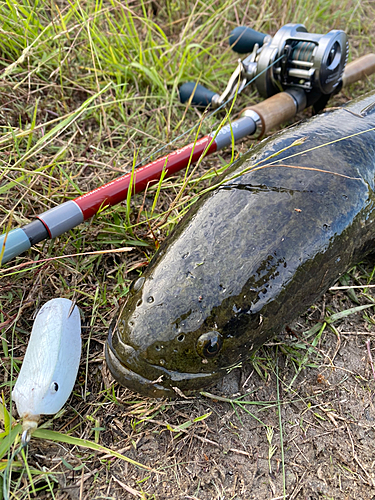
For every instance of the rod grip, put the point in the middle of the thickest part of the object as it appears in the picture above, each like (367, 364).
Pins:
(242, 39)
(202, 97)
(275, 110)
(359, 69)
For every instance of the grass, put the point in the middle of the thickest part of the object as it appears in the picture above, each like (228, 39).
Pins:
(88, 90)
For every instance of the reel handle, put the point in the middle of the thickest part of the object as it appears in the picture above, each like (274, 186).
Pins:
(242, 39)
(202, 97)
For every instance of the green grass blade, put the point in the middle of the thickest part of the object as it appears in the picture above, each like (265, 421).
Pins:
(84, 443)
(347, 312)
(7, 441)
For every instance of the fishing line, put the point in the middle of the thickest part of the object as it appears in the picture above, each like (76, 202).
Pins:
(6, 473)
(25, 436)
(205, 117)
(259, 166)
(320, 146)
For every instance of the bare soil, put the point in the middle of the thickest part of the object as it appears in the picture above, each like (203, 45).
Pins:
(326, 413)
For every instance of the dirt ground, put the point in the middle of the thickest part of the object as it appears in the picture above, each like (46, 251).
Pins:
(206, 448)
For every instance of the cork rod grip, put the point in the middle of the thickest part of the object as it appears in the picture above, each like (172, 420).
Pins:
(359, 69)
(275, 110)
(282, 107)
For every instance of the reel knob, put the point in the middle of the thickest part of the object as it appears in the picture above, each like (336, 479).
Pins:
(243, 39)
(202, 96)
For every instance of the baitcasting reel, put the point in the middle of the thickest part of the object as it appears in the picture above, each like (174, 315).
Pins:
(293, 58)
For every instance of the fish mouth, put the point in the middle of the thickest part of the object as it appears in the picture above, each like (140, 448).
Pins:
(174, 382)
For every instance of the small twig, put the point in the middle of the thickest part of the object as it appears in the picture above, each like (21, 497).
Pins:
(351, 439)
(127, 488)
(298, 487)
(350, 286)
(37, 262)
(370, 357)
(248, 378)
(370, 479)
(241, 452)
(81, 484)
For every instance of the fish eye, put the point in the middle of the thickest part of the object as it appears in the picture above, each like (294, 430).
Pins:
(209, 344)
(54, 387)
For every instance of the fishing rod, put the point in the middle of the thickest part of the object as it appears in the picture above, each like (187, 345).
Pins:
(254, 120)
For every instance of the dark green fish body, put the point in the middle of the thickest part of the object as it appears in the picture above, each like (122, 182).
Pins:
(290, 217)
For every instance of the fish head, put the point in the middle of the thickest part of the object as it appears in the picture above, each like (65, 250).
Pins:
(173, 339)
(202, 305)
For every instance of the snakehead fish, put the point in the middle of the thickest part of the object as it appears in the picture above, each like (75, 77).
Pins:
(253, 253)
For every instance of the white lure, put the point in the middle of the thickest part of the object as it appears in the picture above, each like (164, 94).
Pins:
(51, 362)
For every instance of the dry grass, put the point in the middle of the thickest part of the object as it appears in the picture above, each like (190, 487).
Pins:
(87, 90)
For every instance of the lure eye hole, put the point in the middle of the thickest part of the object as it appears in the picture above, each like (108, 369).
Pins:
(54, 387)
(209, 344)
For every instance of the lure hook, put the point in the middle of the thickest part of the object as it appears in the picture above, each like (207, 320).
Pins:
(25, 437)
